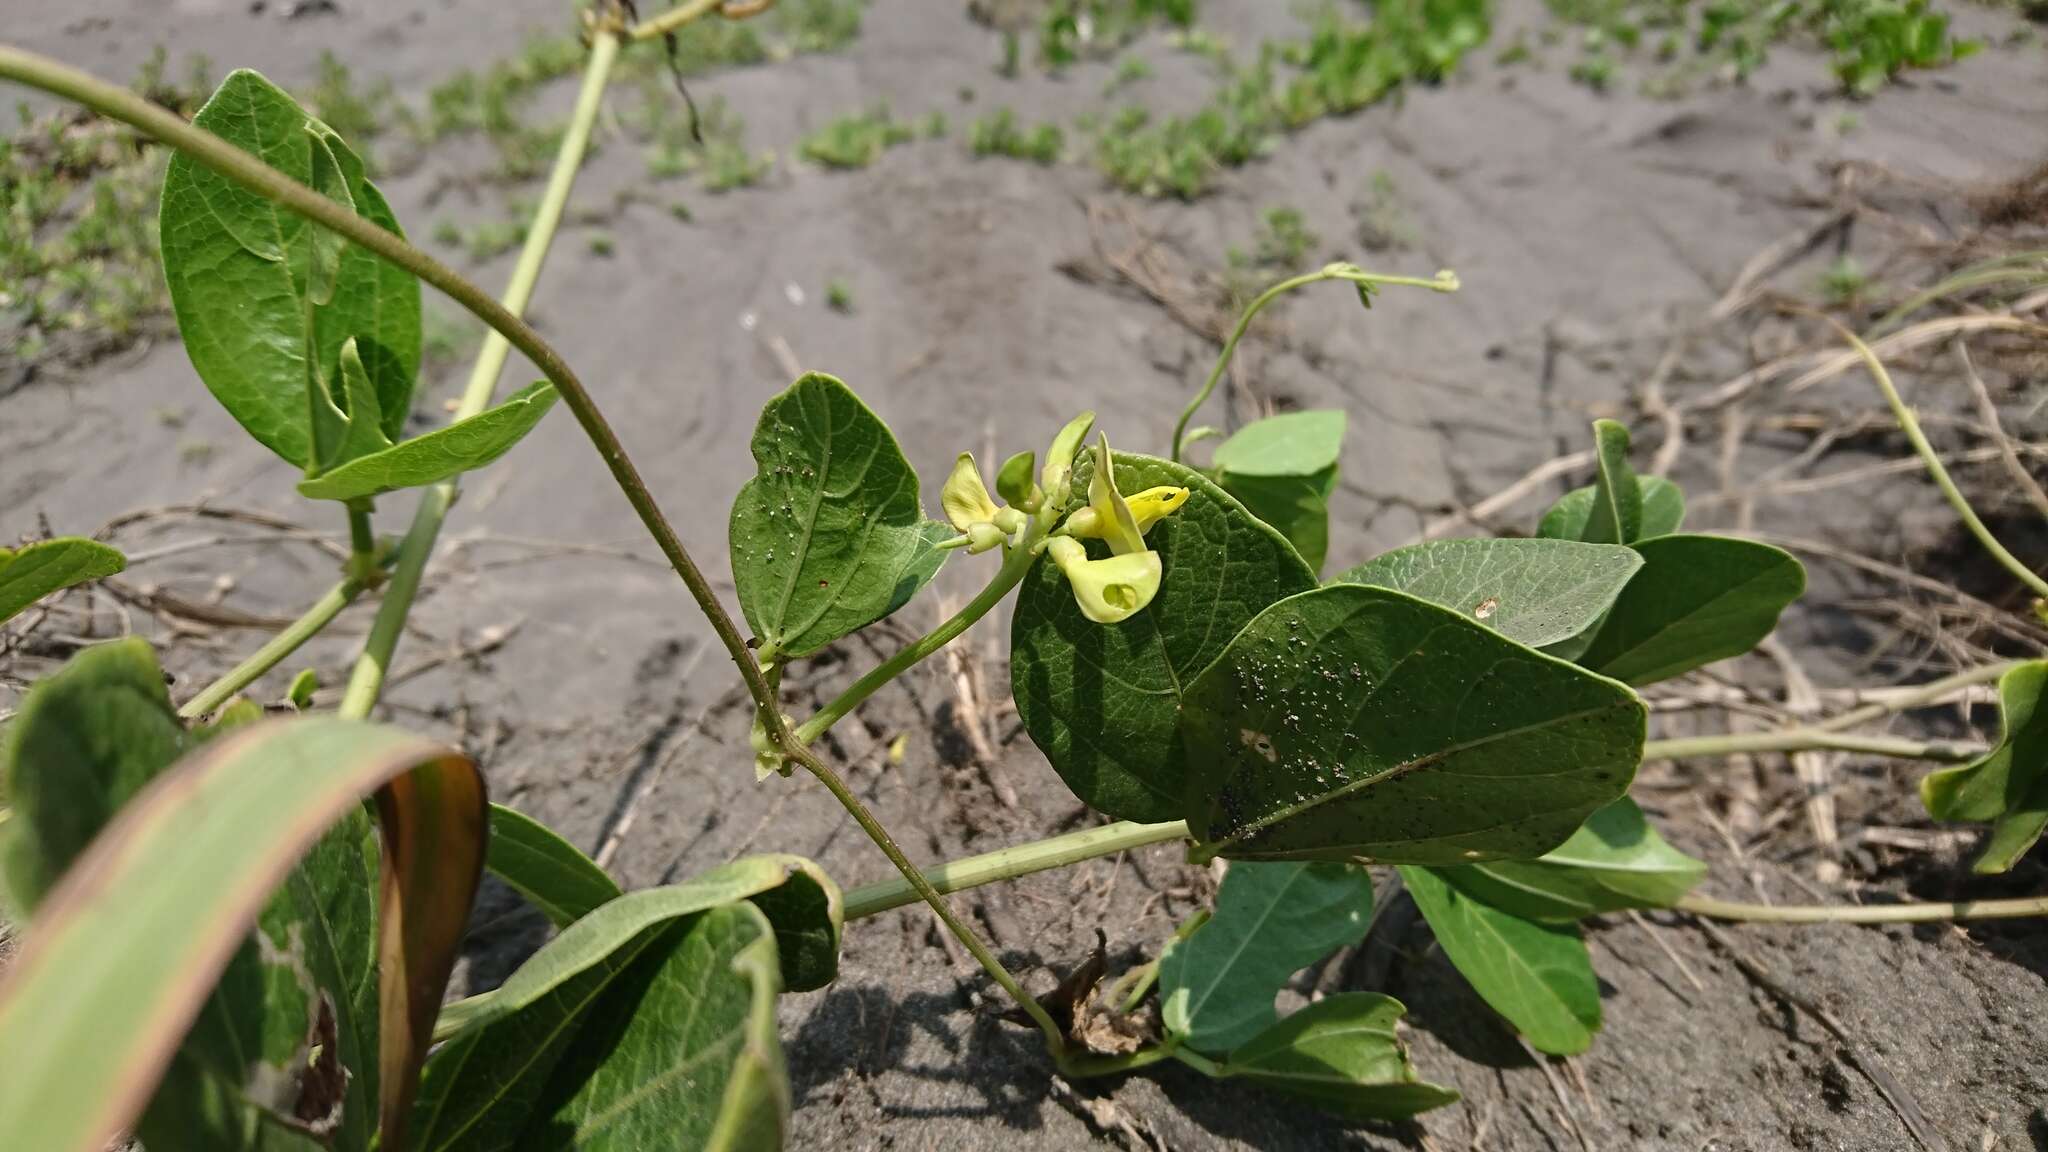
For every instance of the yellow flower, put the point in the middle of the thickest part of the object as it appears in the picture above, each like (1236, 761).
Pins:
(968, 508)
(1109, 590)
(965, 498)
(1147, 508)
(1115, 587)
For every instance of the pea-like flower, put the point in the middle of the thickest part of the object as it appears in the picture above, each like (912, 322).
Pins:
(1119, 585)
(1147, 508)
(969, 509)
(1111, 589)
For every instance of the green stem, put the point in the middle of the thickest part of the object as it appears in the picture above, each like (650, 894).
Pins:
(1055, 1040)
(204, 147)
(1015, 565)
(1863, 913)
(1910, 425)
(1924, 694)
(362, 542)
(1808, 738)
(1010, 863)
(366, 682)
(1442, 282)
(273, 653)
(120, 104)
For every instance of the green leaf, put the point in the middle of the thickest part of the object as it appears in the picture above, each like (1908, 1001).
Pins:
(1663, 511)
(589, 940)
(1538, 976)
(481, 1084)
(352, 429)
(1615, 860)
(1342, 1052)
(1698, 599)
(1355, 722)
(681, 1052)
(33, 572)
(86, 740)
(2008, 785)
(1291, 444)
(463, 446)
(1297, 506)
(324, 267)
(304, 685)
(829, 536)
(242, 274)
(129, 945)
(1536, 592)
(546, 869)
(1102, 701)
(1216, 987)
(1284, 468)
(1617, 514)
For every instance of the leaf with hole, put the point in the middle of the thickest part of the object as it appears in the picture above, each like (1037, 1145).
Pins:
(1357, 722)
(33, 571)
(1698, 599)
(153, 921)
(1616, 860)
(1343, 1053)
(1102, 701)
(829, 536)
(1537, 976)
(2007, 786)
(1535, 592)
(248, 278)
(1216, 987)
(463, 446)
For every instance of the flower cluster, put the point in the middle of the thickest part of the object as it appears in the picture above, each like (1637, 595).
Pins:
(1109, 589)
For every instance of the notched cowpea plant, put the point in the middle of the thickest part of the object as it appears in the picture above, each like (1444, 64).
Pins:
(241, 925)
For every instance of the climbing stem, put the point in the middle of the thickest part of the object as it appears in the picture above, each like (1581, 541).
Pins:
(1015, 565)
(1910, 425)
(1055, 1039)
(246, 170)
(249, 172)
(1864, 913)
(366, 681)
(280, 646)
(1366, 281)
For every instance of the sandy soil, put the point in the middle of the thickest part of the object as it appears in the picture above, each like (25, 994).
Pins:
(1587, 231)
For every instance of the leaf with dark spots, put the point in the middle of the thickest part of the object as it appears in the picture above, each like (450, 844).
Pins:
(1357, 722)
(1102, 701)
(829, 536)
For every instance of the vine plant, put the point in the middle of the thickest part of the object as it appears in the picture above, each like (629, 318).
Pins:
(228, 948)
